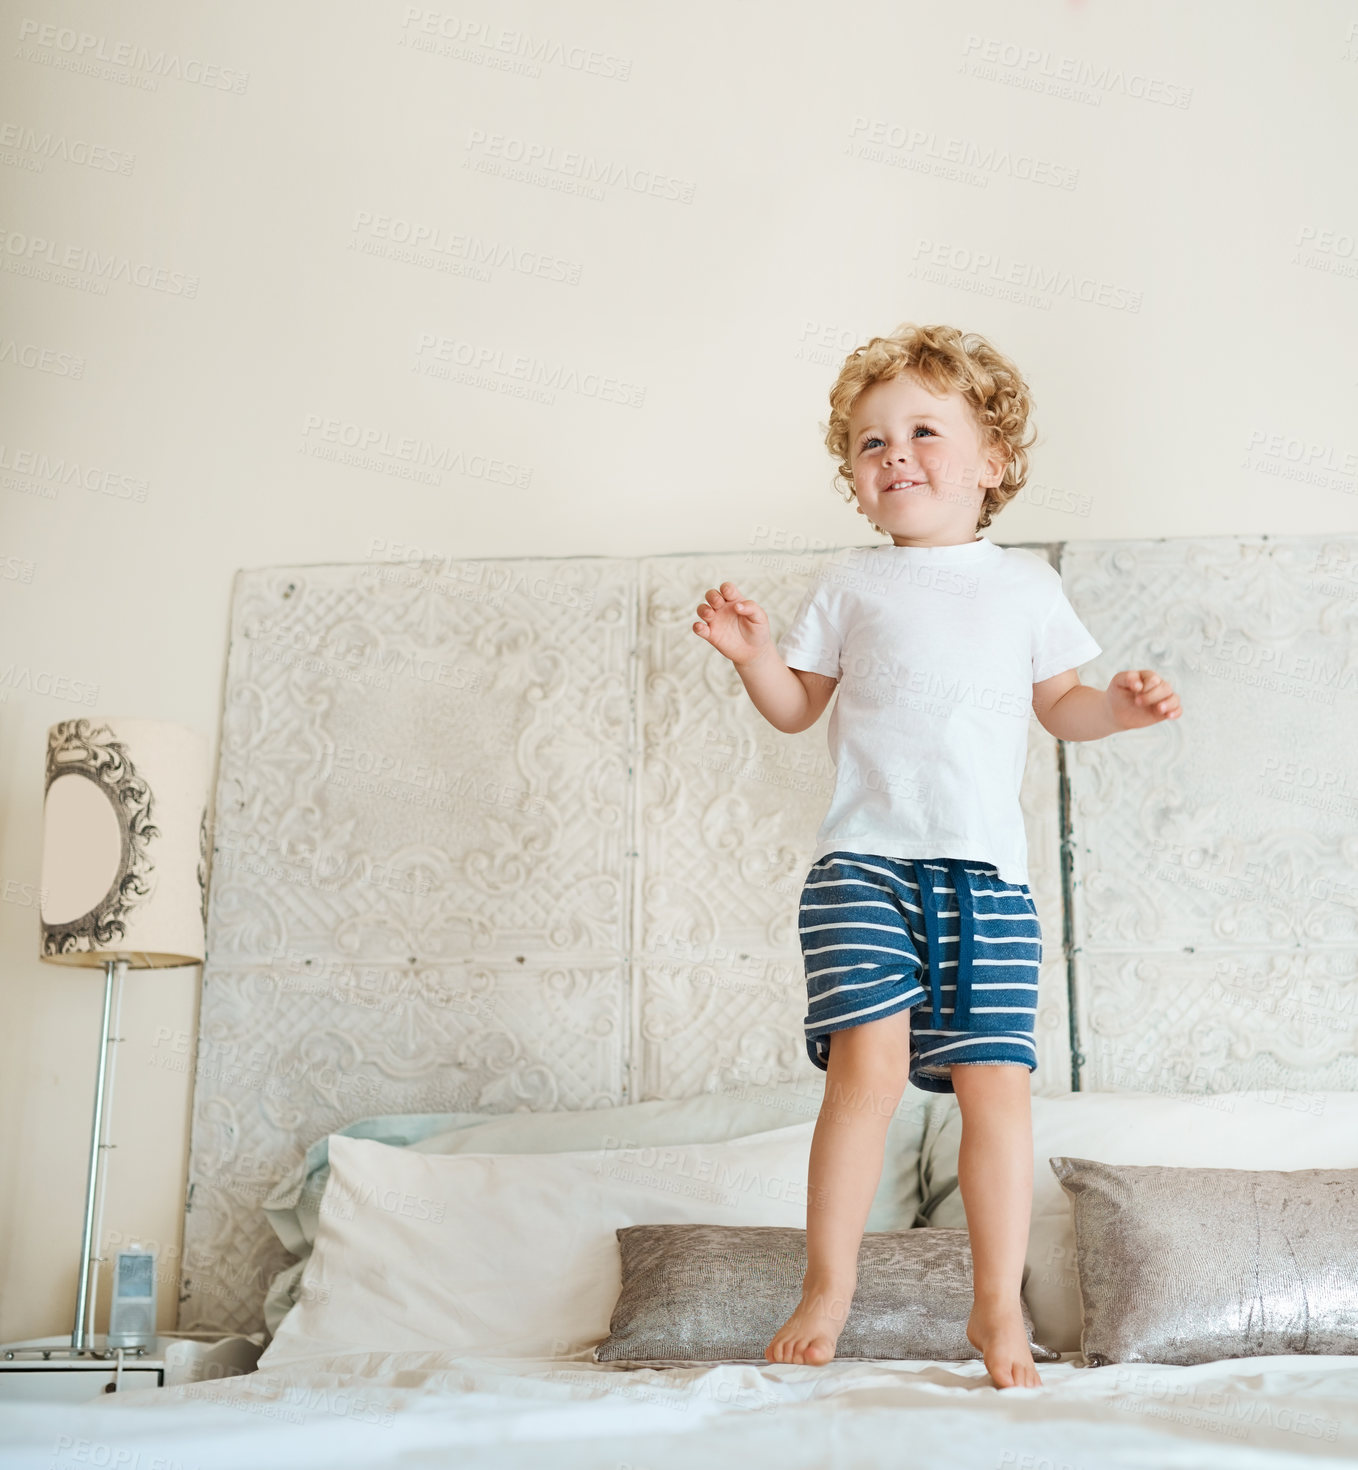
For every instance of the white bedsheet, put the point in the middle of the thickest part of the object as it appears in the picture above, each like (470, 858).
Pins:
(429, 1409)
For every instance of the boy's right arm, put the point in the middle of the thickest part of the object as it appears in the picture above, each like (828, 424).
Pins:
(791, 700)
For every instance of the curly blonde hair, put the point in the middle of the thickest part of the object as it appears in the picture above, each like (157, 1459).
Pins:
(943, 358)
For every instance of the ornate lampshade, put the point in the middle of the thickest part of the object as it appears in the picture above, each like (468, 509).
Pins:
(124, 850)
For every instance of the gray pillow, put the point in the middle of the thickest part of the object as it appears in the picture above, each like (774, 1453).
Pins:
(718, 1293)
(1186, 1266)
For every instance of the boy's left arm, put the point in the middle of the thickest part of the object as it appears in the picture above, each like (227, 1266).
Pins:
(1074, 711)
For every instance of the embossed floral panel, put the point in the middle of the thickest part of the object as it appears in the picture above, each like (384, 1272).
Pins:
(420, 893)
(1215, 862)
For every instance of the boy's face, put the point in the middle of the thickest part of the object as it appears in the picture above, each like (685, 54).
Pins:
(920, 472)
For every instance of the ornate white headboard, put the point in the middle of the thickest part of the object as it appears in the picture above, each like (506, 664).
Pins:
(505, 834)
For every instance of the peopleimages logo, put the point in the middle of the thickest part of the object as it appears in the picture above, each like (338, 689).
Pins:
(367, 446)
(66, 49)
(504, 47)
(417, 240)
(42, 147)
(876, 139)
(394, 1201)
(40, 257)
(503, 368)
(41, 359)
(1037, 69)
(587, 168)
(57, 470)
(21, 679)
(988, 273)
(665, 1167)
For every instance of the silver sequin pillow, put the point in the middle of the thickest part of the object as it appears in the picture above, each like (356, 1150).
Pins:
(718, 1293)
(1188, 1266)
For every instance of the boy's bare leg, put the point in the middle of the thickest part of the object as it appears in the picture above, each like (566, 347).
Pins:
(866, 1073)
(995, 1173)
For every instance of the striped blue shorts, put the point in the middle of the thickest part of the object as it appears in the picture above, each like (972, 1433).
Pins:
(945, 938)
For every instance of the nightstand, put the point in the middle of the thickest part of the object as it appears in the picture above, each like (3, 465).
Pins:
(40, 1368)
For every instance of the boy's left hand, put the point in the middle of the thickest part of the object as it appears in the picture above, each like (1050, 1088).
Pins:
(1138, 697)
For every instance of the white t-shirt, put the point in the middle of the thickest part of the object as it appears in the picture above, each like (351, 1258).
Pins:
(936, 649)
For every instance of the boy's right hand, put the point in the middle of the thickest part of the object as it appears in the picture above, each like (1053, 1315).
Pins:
(732, 624)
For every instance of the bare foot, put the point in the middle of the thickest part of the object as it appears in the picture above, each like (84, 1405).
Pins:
(810, 1333)
(996, 1330)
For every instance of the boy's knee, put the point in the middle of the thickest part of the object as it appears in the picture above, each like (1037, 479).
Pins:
(982, 1079)
(871, 1071)
(874, 1043)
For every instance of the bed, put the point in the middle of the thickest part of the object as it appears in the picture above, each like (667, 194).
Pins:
(367, 1407)
(372, 1407)
(408, 752)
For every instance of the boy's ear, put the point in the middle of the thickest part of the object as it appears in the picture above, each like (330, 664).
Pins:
(997, 461)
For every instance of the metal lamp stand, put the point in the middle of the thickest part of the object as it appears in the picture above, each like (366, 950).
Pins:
(81, 1349)
(82, 1332)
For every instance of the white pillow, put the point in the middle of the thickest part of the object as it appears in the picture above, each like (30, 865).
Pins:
(708, 1117)
(1275, 1129)
(511, 1255)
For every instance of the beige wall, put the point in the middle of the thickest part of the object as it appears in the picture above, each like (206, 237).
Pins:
(207, 295)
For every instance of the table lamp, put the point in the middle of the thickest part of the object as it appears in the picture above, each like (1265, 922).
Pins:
(124, 884)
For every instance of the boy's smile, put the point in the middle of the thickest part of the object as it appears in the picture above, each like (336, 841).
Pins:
(920, 471)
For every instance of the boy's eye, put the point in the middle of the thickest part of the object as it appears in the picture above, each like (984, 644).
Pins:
(873, 439)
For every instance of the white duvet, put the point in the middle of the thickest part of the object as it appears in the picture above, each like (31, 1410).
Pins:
(431, 1409)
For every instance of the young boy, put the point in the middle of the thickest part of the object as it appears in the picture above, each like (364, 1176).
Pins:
(919, 933)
